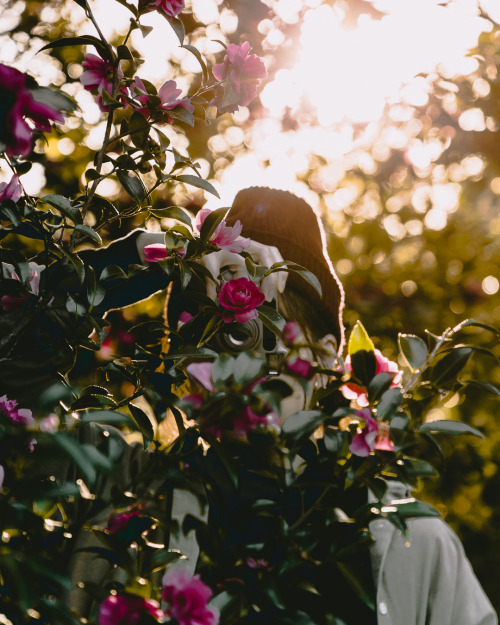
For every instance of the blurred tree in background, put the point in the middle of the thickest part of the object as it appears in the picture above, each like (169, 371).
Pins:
(412, 204)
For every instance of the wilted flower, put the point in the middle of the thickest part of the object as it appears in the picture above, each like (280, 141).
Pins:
(224, 237)
(98, 76)
(384, 365)
(168, 94)
(188, 598)
(374, 435)
(21, 416)
(240, 299)
(11, 190)
(127, 610)
(170, 8)
(243, 72)
(19, 103)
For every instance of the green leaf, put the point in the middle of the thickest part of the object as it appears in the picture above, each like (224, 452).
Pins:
(22, 168)
(177, 27)
(379, 384)
(364, 366)
(173, 212)
(143, 423)
(415, 509)
(161, 559)
(109, 417)
(182, 114)
(77, 263)
(389, 403)
(87, 231)
(64, 206)
(450, 427)
(198, 182)
(447, 369)
(271, 318)
(200, 60)
(485, 386)
(359, 340)
(87, 40)
(210, 224)
(113, 272)
(247, 367)
(132, 184)
(185, 273)
(95, 292)
(124, 53)
(302, 424)
(413, 349)
(139, 130)
(76, 453)
(304, 273)
(415, 467)
(54, 99)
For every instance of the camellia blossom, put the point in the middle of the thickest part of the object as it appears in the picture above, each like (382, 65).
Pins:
(359, 393)
(201, 372)
(291, 332)
(374, 435)
(224, 237)
(168, 94)
(127, 610)
(187, 598)
(243, 71)
(11, 190)
(98, 76)
(248, 420)
(299, 366)
(158, 251)
(19, 416)
(119, 522)
(11, 302)
(170, 8)
(240, 299)
(19, 103)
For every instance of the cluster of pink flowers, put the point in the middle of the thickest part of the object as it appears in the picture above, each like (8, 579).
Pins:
(18, 104)
(98, 77)
(19, 416)
(239, 299)
(359, 393)
(187, 598)
(224, 237)
(170, 8)
(11, 190)
(168, 94)
(374, 435)
(243, 72)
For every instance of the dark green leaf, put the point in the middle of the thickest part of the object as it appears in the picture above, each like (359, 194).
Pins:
(95, 292)
(178, 28)
(173, 212)
(64, 206)
(447, 369)
(211, 222)
(415, 509)
(198, 182)
(413, 349)
(491, 388)
(54, 99)
(113, 272)
(379, 384)
(139, 130)
(198, 56)
(76, 453)
(449, 427)
(182, 114)
(364, 366)
(272, 319)
(302, 424)
(247, 367)
(110, 417)
(161, 559)
(124, 53)
(87, 231)
(132, 184)
(87, 40)
(143, 423)
(415, 467)
(389, 403)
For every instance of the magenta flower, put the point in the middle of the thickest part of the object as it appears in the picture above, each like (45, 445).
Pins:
(11, 302)
(98, 77)
(240, 299)
(248, 420)
(170, 8)
(168, 95)
(224, 237)
(19, 103)
(291, 332)
(374, 435)
(359, 393)
(119, 522)
(127, 610)
(155, 252)
(11, 190)
(185, 316)
(19, 416)
(188, 598)
(201, 372)
(243, 73)
(299, 366)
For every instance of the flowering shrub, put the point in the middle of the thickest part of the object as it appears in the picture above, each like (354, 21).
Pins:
(89, 517)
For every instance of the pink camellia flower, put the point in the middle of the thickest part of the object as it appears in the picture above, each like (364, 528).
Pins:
(291, 332)
(119, 522)
(299, 366)
(11, 302)
(224, 237)
(243, 71)
(359, 393)
(127, 610)
(201, 372)
(11, 190)
(240, 299)
(50, 423)
(19, 103)
(98, 77)
(375, 435)
(170, 8)
(185, 316)
(20, 416)
(248, 420)
(168, 94)
(158, 251)
(187, 597)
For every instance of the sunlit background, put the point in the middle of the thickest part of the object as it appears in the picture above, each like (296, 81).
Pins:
(385, 116)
